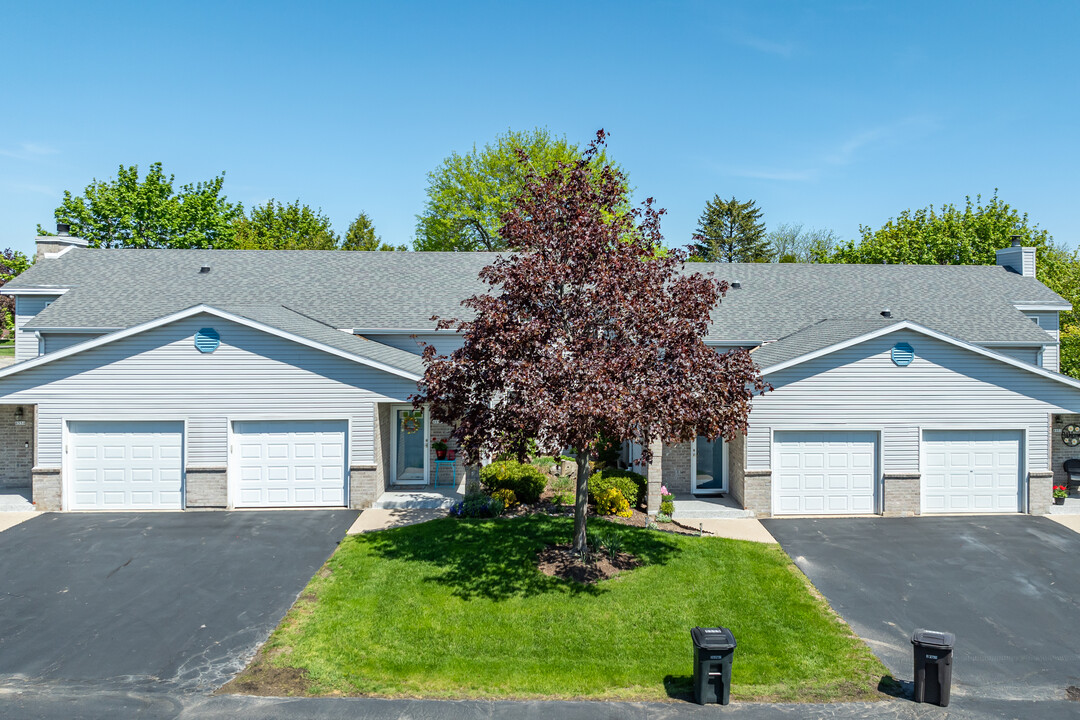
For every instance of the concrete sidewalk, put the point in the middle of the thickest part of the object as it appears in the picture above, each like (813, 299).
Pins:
(11, 519)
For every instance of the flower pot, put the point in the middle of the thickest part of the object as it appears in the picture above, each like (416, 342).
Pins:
(440, 454)
(1059, 501)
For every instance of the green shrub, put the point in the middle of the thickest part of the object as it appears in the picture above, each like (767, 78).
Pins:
(612, 502)
(477, 505)
(632, 485)
(667, 505)
(526, 481)
(509, 499)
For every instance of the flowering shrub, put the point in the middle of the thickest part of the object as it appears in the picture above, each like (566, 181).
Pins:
(526, 481)
(632, 485)
(612, 502)
(509, 499)
(1061, 491)
(667, 501)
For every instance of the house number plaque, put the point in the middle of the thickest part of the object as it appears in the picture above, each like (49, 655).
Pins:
(1070, 435)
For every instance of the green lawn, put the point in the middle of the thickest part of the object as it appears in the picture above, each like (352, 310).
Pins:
(7, 349)
(456, 609)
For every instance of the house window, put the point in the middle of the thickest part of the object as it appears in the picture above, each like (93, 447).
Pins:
(1035, 319)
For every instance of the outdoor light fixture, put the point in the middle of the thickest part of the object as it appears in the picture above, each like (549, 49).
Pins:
(18, 413)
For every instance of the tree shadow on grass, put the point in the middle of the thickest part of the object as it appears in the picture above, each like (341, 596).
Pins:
(496, 559)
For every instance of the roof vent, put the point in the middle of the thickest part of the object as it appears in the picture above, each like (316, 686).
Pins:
(204, 269)
(63, 229)
(1016, 241)
(886, 313)
(735, 284)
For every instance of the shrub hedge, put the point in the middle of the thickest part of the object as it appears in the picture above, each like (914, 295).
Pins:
(526, 481)
(632, 485)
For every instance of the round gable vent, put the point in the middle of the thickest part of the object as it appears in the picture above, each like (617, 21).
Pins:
(903, 354)
(207, 340)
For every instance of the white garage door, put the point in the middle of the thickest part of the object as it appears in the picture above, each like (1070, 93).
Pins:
(971, 471)
(288, 463)
(824, 472)
(125, 465)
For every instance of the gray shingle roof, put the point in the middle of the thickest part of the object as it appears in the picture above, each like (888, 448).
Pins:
(297, 323)
(820, 335)
(393, 290)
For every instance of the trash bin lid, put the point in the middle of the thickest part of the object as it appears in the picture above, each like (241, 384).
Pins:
(933, 638)
(715, 638)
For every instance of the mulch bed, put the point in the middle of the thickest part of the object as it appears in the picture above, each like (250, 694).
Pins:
(562, 562)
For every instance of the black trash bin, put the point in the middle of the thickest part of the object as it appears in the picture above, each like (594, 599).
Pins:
(933, 666)
(713, 650)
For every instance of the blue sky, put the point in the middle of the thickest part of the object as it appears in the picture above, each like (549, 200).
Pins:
(827, 114)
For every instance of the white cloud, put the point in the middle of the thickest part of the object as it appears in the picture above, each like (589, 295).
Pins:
(29, 151)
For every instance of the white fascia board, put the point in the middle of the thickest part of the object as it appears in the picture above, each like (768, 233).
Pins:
(1047, 307)
(397, 331)
(72, 330)
(915, 327)
(197, 310)
(1012, 343)
(32, 291)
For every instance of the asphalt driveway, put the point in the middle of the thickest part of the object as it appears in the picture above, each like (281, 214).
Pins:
(142, 600)
(1009, 587)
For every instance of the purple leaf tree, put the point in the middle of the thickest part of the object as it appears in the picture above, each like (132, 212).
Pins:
(590, 327)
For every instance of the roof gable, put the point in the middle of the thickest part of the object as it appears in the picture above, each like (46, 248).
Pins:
(275, 320)
(842, 340)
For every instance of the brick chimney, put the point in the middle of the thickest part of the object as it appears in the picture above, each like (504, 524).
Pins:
(1017, 258)
(53, 246)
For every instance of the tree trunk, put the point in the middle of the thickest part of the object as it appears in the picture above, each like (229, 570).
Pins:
(581, 499)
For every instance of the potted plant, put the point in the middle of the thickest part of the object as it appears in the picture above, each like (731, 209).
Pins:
(1060, 493)
(440, 449)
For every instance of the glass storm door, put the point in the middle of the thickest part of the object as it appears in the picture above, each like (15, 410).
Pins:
(409, 446)
(709, 464)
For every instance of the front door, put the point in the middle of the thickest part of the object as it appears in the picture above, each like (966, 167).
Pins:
(709, 465)
(409, 446)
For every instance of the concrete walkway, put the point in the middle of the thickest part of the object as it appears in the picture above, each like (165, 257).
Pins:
(1070, 521)
(384, 518)
(736, 529)
(11, 519)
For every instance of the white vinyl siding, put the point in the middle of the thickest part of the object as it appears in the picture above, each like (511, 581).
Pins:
(1029, 355)
(26, 307)
(445, 343)
(1050, 322)
(252, 375)
(60, 341)
(860, 388)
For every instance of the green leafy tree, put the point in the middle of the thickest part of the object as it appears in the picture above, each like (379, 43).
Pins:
(468, 194)
(791, 243)
(730, 231)
(275, 226)
(129, 212)
(971, 235)
(12, 262)
(361, 236)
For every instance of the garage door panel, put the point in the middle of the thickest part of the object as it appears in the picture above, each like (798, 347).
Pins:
(128, 465)
(290, 463)
(971, 471)
(825, 472)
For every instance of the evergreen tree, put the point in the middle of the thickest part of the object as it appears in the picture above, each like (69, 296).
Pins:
(730, 231)
(361, 236)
